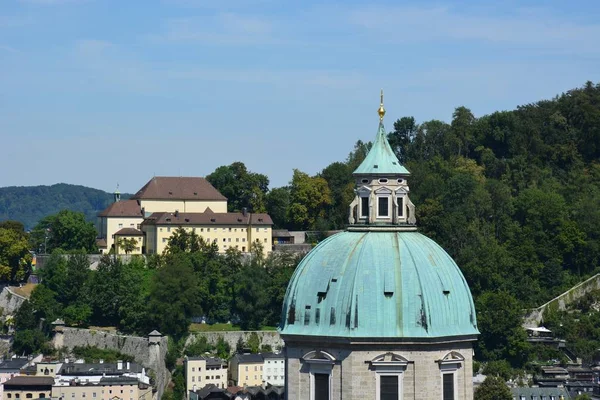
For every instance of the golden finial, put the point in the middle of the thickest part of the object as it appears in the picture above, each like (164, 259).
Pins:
(381, 110)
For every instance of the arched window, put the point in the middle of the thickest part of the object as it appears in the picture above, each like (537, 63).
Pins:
(449, 366)
(321, 367)
(389, 371)
(364, 193)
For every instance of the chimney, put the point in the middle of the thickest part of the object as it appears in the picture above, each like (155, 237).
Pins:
(128, 366)
(101, 361)
(119, 365)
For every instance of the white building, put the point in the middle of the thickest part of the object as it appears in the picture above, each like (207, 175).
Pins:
(274, 369)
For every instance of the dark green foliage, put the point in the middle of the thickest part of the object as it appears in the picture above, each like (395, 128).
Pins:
(173, 298)
(493, 388)
(254, 342)
(25, 318)
(198, 347)
(94, 354)
(243, 189)
(30, 341)
(67, 230)
(29, 204)
(222, 348)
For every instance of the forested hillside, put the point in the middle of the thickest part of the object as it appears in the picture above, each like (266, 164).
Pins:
(29, 204)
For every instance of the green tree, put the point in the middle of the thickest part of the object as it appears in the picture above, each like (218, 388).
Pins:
(339, 179)
(278, 206)
(493, 388)
(499, 319)
(25, 318)
(310, 197)
(254, 343)
(222, 348)
(15, 259)
(405, 130)
(44, 303)
(252, 300)
(243, 189)
(173, 298)
(127, 245)
(69, 231)
(198, 347)
(29, 341)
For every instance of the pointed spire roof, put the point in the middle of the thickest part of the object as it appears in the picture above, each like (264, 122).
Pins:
(381, 159)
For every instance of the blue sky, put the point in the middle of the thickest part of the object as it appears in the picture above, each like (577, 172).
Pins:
(100, 92)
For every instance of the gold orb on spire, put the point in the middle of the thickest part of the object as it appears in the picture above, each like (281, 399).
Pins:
(381, 110)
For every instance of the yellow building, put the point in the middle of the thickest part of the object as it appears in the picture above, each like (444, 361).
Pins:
(166, 203)
(246, 369)
(127, 234)
(227, 230)
(119, 215)
(28, 387)
(202, 371)
(121, 388)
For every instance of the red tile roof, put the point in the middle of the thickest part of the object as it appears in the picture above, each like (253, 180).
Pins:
(125, 208)
(207, 218)
(178, 188)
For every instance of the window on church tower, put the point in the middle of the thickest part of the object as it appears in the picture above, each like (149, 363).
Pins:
(364, 207)
(383, 206)
(401, 206)
(321, 387)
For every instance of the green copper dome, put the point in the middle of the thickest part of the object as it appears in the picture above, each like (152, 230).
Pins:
(381, 159)
(378, 284)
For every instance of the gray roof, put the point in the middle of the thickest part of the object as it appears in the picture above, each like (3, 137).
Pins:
(121, 380)
(273, 355)
(249, 358)
(210, 361)
(98, 368)
(155, 333)
(29, 381)
(13, 364)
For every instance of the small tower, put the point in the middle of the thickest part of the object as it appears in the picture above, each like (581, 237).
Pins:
(117, 194)
(381, 185)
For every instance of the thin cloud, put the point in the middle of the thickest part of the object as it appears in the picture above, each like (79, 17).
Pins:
(8, 49)
(526, 27)
(222, 28)
(52, 2)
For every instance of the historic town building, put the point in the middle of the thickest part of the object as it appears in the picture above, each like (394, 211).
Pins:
(165, 204)
(379, 311)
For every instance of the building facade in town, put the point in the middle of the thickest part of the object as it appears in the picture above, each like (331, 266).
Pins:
(274, 369)
(165, 204)
(379, 311)
(202, 371)
(122, 388)
(246, 370)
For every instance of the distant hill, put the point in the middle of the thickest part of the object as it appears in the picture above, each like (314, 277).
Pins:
(29, 204)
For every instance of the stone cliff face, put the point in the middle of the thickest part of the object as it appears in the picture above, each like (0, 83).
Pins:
(150, 355)
(10, 301)
(270, 338)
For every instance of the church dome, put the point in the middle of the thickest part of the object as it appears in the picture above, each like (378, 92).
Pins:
(378, 283)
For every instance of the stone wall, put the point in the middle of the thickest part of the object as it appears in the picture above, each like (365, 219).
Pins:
(150, 355)
(534, 317)
(270, 338)
(10, 301)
